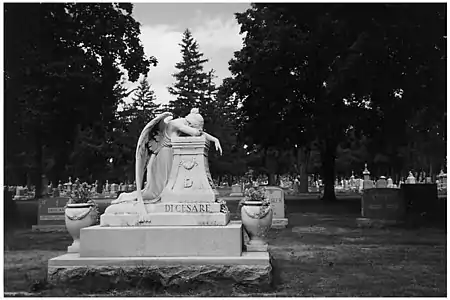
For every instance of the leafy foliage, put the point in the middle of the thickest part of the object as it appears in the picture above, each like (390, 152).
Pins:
(61, 74)
(80, 193)
(312, 72)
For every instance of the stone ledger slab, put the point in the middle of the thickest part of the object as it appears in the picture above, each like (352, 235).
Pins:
(280, 223)
(165, 219)
(162, 241)
(251, 269)
(376, 223)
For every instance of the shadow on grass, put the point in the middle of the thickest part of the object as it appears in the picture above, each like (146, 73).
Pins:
(321, 253)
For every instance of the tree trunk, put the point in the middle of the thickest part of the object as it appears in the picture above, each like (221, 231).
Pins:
(230, 180)
(328, 156)
(271, 177)
(302, 159)
(269, 166)
(38, 167)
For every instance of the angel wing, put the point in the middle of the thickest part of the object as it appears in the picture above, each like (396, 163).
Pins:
(148, 137)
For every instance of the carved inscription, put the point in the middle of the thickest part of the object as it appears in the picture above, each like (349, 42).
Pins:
(374, 206)
(52, 217)
(187, 208)
(275, 200)
(188, 183)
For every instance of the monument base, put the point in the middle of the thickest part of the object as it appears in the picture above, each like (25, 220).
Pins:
(165, 219)
(49, 228)
(376, 223)
(279, 223)
(251, 270)
(162, 241)
(236, 195)
(256, 247)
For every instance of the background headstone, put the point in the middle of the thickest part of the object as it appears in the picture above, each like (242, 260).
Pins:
(276, 198)
(411, 179)
(51, 211)
(381, 183)
(383, 204)
(367, 183)
(236, 190)
(390, 183)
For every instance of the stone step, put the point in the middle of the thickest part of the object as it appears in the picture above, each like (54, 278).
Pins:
(251, 270)
(162, 241)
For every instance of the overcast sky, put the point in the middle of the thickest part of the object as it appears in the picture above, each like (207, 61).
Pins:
(213, 25)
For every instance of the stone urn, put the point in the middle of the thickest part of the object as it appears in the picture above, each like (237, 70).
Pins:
(257, 219)
(79, 216)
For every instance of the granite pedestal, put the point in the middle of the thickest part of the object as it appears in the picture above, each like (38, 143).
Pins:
(166, 256)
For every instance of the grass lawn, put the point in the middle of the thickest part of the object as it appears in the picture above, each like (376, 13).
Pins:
(321, 253)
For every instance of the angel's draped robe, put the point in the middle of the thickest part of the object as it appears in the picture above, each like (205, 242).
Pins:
(158, 172)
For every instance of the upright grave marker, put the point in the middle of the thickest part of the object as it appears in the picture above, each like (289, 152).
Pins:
(236, 191)
(276, 197)
(381, 183)
(51, 214)
(382, 206)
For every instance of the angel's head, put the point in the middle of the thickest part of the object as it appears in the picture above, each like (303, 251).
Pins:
(194, 119)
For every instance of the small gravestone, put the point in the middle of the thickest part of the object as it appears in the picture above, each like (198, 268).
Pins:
(360, 185)
(236, 191)
(381, 183)
(21, 193)
(411, 179)
(276, 198)
(442, 180)
(352, 181)
(129, 187)
(367, 184)
(106, 188)
(390, 183)
(345, 184)
(114, 189)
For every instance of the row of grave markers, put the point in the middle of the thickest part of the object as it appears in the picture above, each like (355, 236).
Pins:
(51, 209)
(64, 190)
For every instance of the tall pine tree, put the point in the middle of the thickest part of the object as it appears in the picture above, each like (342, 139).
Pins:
(191, 84)
(144, 101)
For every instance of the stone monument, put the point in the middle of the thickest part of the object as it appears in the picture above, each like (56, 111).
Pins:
(381, 183)
(442, 180)
(367, 184)
(174, 230)
(236, 191)
(411, 179)
(390, 183)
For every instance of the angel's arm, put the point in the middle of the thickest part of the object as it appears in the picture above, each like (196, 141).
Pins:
(211, 138)
(214, 140)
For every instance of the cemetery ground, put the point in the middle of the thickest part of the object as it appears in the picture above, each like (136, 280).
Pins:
(321, 253)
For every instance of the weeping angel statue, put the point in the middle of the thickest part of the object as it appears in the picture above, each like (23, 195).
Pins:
(154, 152)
